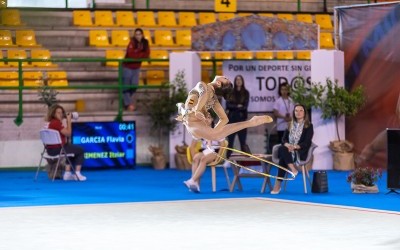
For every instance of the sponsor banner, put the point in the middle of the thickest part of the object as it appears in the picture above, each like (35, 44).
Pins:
(369, 37)
(262, 79)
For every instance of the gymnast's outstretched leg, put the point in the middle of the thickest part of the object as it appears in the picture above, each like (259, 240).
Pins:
(199, 130)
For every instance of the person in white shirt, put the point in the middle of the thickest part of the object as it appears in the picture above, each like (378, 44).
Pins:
(282, 109)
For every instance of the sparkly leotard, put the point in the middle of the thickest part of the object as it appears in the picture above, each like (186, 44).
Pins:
(199, 89)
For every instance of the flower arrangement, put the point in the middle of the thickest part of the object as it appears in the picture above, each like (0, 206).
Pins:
(365, 175)
(363, 179)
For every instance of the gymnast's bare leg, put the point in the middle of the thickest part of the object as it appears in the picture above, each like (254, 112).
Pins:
(197, 129)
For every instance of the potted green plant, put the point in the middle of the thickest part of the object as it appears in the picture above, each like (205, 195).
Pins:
(161, 109)
(339, 102)
(47, 95)
(309, 96)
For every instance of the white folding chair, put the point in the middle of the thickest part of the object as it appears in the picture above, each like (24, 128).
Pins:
(52, 137)
(301, 164)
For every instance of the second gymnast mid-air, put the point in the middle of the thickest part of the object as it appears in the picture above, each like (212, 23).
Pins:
(203, 98)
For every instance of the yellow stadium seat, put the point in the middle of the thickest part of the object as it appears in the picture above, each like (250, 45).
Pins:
(148, 36)
(125, 18)
(42, 54)
(159, 54)
(33, 79)
(155, 77)
(146, 19)
(26, 38)
(243, 14)
(324, 21)
(6, 39)
(184, 38)
(10, 17)
(287, 17)
(303, 55)
(305, 18)
(244, 55)
(284, 55)
(98, 38)
(205, 75)
(219, 72)
(166, 19)
(223, 55)
(120, 38)
(264, 55)
(225, 16)
(82, 18)
(141, 79)
(57, 78)
(16, 54)
(206, 17)
(9, 79)
(2, 63)
(206, 56)
(326, 40)
(114, 54)
(163, 38)
(103, 18)
(187, 19)
(266, 14)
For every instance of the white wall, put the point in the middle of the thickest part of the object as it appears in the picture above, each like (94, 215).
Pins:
(191, 64)
(326, 64)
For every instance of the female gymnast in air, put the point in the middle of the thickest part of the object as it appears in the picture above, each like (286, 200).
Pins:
(203, 98)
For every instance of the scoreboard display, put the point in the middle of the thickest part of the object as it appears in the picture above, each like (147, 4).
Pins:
(106, 144)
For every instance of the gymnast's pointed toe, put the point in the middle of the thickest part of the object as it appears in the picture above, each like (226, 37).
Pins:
(258, 120)
(268, 119)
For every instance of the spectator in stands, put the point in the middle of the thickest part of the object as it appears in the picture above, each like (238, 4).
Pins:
(55, 116)
(296, 142)
(282, 108)
(138, 48)
(202, 158)
(236, 109)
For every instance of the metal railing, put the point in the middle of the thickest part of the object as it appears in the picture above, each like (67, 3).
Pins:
(120, 86)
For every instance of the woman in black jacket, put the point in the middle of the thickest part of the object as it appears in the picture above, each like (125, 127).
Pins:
(236, 108)
(295, 143)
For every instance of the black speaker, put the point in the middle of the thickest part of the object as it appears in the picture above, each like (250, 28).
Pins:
(393, 158)
(320, 182)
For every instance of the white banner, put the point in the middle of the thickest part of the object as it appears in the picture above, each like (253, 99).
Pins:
(262, 79)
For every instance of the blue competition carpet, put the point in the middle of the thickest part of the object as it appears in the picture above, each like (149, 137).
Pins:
(17, 188)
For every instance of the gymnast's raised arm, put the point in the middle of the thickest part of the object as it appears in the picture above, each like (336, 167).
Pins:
(201, 89)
